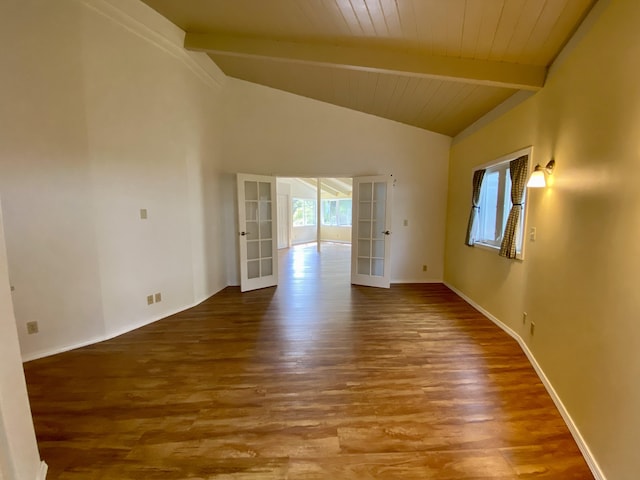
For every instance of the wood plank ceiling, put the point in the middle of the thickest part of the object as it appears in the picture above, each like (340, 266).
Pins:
(434, 64)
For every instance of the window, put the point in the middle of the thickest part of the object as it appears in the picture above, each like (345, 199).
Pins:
(336, 212)
(494, 206)
(304, 212)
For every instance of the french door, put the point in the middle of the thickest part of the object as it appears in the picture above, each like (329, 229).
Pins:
(257, 235)
(371, 231)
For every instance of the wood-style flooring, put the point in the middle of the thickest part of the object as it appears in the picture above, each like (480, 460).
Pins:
(315, 379)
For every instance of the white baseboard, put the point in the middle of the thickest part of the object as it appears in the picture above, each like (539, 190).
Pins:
(42, 473)
(393, 281)
(335, 240)
(47, 352)
(135, 326)
(582, 444)
(415, 280)
(107, 336)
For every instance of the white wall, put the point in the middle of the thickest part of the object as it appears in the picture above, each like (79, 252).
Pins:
(304, 234)
(153, 144)
(272, 132)
(19, 457)
(105, 114)
(45, 174)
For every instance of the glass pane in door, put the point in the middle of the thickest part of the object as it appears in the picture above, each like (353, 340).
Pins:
(364, 266)
(259, 228)
(370, 259)
(379, 228)
(253, 269)
(377, 267)
(253, 251)
(371, 228)
(250, 190)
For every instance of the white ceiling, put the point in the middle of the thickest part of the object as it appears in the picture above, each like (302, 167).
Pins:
(435, 64)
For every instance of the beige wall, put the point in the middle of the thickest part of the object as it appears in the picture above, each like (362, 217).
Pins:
(331, 233)
(579, 277)
(104, 116)
(276, 133)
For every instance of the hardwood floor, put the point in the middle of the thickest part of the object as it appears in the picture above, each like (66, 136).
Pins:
(316, 379)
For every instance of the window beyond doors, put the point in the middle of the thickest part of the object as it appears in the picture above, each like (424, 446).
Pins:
(336, 212)
(304, 212)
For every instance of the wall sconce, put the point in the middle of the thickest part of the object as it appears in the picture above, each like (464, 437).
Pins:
(537, 178)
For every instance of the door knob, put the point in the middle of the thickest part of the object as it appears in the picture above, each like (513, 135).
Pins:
(387, 232)
(243, 233)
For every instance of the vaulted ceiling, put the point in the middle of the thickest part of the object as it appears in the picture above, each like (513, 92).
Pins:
(435, 64)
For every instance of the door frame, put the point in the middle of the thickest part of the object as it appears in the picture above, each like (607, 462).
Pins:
(287, 219)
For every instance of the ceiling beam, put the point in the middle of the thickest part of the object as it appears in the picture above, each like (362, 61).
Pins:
(346, 184)
(373, 59)
(340, 187)
(329, 189)
(314, 184)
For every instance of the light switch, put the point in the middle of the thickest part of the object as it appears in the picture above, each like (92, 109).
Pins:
(405, 222)
(532, 234)
(143, 213)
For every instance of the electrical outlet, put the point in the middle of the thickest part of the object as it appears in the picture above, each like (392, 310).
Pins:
(424, 268)
(524, 317)
(532, 328)
(149, 299)
(533, 233)
(32, 327)
(143, 213)
(405, 222)
(158, 297)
